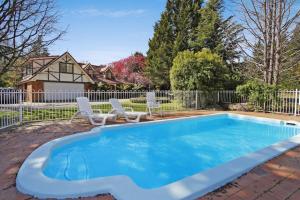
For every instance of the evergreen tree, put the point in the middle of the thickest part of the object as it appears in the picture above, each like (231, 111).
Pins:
(221, 37)
(38, 49)
(291, 61)
(196, 17)
(160, 54)
(181, 24)
(231, 38)
(209, 27)
(172, 34)
(290, 71)
(257, 59)
(293, 48)
(249, 69)
(186, 19)
(185, 25)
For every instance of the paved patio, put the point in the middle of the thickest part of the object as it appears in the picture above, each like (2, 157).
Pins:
(275, 180)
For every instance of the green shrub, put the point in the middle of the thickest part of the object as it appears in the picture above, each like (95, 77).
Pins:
(138, 100)
(198, 71)
(257, 93)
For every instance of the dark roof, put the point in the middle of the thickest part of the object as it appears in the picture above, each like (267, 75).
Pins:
(107, 81)
(99, 71)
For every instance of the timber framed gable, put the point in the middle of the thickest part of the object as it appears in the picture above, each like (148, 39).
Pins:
(62, 68)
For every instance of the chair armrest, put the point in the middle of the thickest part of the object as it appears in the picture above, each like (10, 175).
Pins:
(112, 111)
(83, 113)
(128, 108)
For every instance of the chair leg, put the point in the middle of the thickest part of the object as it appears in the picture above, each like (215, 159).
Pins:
(150, 113)
(136, 120)
(103, 122)
(75, 115)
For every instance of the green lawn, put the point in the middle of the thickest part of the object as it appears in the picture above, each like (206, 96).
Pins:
(68, 112)
(8, 116)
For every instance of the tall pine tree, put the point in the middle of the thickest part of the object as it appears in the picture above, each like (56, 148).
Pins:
(38, 49)
(160, 54)
(291, 61)
(186, 16)
(209, 27)
(172, 34)
(185, 25)
(221, 37)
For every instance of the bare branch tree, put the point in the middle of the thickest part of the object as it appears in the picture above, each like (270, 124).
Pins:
(22, 24)
(269, 23)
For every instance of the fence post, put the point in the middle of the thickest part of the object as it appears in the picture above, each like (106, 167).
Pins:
(196, 105)
(20, 107)
(88, 93)
(296, 102)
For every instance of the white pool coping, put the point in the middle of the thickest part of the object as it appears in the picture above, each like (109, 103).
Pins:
(31, 179)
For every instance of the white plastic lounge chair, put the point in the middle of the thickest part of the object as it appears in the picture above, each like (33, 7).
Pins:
(128, 115)
(152, 103)
(85, 110)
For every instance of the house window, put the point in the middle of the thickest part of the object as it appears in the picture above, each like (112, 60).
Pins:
(29, 71)
(65, 67)
(108, 75)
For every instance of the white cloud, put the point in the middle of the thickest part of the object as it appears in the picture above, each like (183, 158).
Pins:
(110, 13)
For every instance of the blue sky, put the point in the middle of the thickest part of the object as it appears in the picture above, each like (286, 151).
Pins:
(102, 31)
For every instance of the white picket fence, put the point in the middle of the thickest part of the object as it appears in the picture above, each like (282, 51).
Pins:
(10, 107)
(287, 102)
(18, 106)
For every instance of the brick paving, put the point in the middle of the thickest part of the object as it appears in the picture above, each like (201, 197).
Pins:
(278, 179)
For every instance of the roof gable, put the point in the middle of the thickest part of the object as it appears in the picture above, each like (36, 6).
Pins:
(89, 66)
(66, 57)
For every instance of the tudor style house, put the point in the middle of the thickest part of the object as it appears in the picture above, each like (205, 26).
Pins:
(102, 75)
(50, 74)
(53, 73)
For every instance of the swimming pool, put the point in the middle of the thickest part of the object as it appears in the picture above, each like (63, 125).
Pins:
(171, 159)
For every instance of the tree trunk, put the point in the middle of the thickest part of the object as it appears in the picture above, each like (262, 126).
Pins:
(266, 56)
(272, 23)
(268, 23)
(278, 41)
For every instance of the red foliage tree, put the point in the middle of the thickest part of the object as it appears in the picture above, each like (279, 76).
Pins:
(131, 69)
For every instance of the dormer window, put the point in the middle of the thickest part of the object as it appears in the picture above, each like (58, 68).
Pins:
(108, 75)
(65, 67)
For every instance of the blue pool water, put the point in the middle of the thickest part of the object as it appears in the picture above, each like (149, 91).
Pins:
(156, 154)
